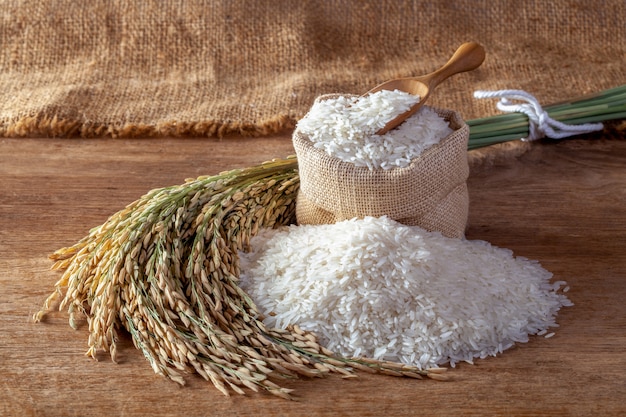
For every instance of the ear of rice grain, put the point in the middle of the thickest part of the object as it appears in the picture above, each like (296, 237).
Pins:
(345, 127)
(376, 288)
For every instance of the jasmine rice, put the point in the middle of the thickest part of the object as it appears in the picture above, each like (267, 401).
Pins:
(345, 127)
(374, 287)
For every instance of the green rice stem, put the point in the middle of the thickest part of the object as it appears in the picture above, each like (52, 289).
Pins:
(593, 108)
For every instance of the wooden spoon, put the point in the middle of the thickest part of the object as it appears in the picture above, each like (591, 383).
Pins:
(467, 57)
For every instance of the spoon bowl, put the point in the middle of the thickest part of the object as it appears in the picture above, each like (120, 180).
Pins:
(467, 57)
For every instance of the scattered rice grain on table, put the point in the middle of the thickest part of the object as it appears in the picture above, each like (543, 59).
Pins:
(374, 287)
(345, 127)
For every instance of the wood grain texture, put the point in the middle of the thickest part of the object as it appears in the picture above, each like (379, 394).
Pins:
(560, 203)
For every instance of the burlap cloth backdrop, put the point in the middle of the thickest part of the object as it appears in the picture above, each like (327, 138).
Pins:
(138, 68)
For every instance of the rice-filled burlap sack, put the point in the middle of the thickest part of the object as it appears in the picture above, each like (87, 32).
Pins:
(431, 192)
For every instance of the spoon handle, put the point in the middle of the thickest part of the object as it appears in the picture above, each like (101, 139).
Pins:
(467, 57)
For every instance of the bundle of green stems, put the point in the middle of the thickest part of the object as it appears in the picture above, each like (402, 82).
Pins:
(598, 107)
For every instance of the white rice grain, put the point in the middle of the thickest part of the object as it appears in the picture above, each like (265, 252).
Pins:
(345, 127)
(378, 288)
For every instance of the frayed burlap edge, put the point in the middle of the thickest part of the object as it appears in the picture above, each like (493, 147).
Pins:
(482, 159)
(36, 126)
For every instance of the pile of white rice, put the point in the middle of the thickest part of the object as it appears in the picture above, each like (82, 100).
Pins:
(377, 288)
(345, 127)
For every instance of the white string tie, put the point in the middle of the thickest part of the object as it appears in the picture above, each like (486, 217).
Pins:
(540, 124)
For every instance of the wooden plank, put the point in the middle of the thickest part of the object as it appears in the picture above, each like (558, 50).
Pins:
(562, 204)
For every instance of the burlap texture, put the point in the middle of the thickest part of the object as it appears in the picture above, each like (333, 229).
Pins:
(210, 67)
(431, 192)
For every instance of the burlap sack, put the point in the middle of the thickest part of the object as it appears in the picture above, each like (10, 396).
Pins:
(431, 192)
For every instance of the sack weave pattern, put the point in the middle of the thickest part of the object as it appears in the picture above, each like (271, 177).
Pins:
(431, 192)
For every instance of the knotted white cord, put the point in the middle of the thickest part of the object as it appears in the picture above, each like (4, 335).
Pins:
(540, 124)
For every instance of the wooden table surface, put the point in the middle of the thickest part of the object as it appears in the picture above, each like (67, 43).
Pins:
(562, 204)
